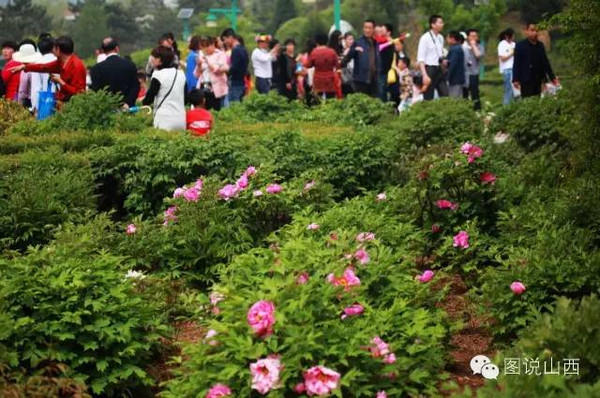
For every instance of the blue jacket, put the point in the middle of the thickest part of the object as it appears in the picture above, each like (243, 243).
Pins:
(362, 61)
(190, 65)
(456, 65)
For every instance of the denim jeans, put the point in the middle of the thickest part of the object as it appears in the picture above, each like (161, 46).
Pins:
(508, 87)
(236, 93)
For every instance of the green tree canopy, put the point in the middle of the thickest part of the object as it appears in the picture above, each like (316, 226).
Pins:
(21, 18)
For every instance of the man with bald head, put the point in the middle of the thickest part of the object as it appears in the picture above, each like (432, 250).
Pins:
(115, 74)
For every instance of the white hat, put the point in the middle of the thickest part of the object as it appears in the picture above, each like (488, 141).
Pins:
(27, 54)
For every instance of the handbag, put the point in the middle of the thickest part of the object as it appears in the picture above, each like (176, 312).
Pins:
(392, 77)
(46, 105)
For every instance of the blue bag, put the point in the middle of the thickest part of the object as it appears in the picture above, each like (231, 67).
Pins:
(46, 103)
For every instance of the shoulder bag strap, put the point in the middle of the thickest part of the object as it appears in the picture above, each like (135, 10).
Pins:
(435, 44)
(167, 94)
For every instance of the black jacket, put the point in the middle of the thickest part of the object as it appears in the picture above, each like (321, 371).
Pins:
(531, 63)
(118, 76)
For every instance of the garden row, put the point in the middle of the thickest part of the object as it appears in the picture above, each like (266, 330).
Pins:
(305, 253)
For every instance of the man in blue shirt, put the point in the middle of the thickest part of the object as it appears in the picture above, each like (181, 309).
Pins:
(365, 54)
(456, 65)
(239, 65)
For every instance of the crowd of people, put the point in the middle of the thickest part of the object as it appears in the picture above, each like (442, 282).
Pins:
(216, 72)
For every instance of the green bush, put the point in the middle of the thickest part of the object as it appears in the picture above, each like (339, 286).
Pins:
(308, 328)
(11, 113)
(550, 259)
(92, 110)
(446, 119)
(535, 122)
(62, 305)
(210, 231)
(571, 330)
(261, 108)
(44, 190)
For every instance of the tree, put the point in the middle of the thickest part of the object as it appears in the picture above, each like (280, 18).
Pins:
(122, 25)
(91, 27)
(21, 18)
(284, 11)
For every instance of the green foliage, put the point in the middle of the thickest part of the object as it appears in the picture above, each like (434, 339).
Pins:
(571, 330)
(62, 305)
(90, 27)
(88, 111)
(308, 329)
(11, 113)
(22, 18)
(356, 110)
(212, 230)
(444, 120)
(534, 122)
(261, 108)
(45, 190)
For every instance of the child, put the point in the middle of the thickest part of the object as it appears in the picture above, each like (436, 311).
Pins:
(406, 83)
(141, 77)
(198, 120)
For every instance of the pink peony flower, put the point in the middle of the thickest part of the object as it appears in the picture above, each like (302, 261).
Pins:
(299, 388)
(390, 358)
(170, 214)
(487, 178)
(265, 374)
(274, 188)
(199, 184)
(242, 182)
(461, 240)
(320, 380)
(381, 394)
(435, 228)
(257, 193)
(353, 310)
(313, 227)
(250, 171)
(365, 237)
(210, 334)
(473, 151)
(191, 195)
(218, 390)
(309, 185)
(348, 280)
(216, 297)
(178, 193)
(446, 204)
(228, 191)
(261, 318)
(362, 256)
(379, 348)
(381, 197)
(130, 229)
(426, 276)
(518, 288)
(302, 278)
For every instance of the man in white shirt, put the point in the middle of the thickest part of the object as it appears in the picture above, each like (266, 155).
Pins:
(262, 62)
(506, 58)
(430, 57)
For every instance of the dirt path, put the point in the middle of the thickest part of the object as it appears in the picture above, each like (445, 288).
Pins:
(473, 339)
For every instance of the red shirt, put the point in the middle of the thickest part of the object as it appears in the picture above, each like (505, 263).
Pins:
(73, 73)
(325, 61)
(199, 121)
(11, 80)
